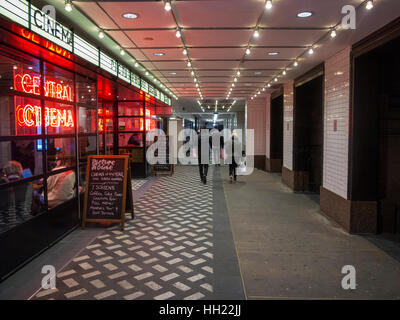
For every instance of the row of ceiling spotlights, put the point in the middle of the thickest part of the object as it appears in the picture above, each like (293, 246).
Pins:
(216, 104)
(178, 34)
(101, 35)
(369, 5)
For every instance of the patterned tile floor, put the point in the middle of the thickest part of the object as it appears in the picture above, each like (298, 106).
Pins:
(165, 253)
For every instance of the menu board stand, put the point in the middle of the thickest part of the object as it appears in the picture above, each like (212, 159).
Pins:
(108, 193)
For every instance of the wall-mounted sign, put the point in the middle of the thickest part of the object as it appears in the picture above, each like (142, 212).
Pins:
(46, 26)
(31, 116)
(30, 83)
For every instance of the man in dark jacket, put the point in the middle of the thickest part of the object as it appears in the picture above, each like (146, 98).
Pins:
(203, 139)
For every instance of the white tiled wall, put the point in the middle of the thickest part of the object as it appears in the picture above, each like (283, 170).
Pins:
(288, 125)
(256, 119)
(268, 127)
(337, 106)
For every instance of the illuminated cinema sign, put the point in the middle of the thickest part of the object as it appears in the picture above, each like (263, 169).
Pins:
(45, 25)
(30, 83)
(31, 116)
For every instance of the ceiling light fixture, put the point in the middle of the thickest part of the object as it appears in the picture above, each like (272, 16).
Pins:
(370, 5)
(269, 85)
(173, 73)
(256, 34)
(122, 52)
(248, 51)
(130, 15)
(136, 64)
(147, 73)
(295, 63)
(284, 72)
(305, 14)
(238, 73)
(311, 51)
(167, 6)
(159, 54)
(333, 33)
(101, 34)
(235, 79)
(192, 73)
(178, 33)
(184, 52)
(276, 79)
(189, 64)
(268, 5)
(68, 5)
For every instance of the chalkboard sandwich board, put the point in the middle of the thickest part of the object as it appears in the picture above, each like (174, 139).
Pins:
(163, 152)
(108, 192)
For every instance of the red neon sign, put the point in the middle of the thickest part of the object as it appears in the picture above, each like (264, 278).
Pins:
(30, 83)
(47, 44)
(31, 116)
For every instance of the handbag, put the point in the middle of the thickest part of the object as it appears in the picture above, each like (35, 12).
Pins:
(241, 169)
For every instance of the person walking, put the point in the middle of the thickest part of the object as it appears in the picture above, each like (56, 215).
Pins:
(233, 164)
(203, 140)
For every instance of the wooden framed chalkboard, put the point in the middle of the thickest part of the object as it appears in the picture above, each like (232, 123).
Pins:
(108, 193)
(164, 152)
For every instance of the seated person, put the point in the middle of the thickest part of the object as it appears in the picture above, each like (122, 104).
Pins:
(11, 172)
(135, 140)
(60, 187)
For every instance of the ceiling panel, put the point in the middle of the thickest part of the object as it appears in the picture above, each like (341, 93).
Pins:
(217, 53)
(326, 13)
(255, 73)
(92, 10)
(280, 38)
(162, 65)
(176, 73)
(264, 64)
(283, 53)
(121, 38)
(164, 38)
(169, 54)
(137, 54)
(217, 38)
(215, 64)
(150, 14)
(216, 79)
(222, 73)
(236, 13)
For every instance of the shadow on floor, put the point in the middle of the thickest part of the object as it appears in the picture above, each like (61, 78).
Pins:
(387, 242)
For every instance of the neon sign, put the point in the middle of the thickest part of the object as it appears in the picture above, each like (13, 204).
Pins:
(31, 116)
(31, 84)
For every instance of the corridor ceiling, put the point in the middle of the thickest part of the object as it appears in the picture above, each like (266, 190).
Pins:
(217, 33)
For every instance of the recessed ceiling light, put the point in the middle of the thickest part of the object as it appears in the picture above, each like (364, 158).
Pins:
(305, 14)
(159, 54)
(257, 73)
(173, 73)
(274, 53)
(130, 15)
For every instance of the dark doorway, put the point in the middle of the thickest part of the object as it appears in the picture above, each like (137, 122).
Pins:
(276, 134)
(376, 142)
(308, 133)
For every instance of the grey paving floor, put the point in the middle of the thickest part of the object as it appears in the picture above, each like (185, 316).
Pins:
(169, 251)
(253, 239)
(288, 250)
